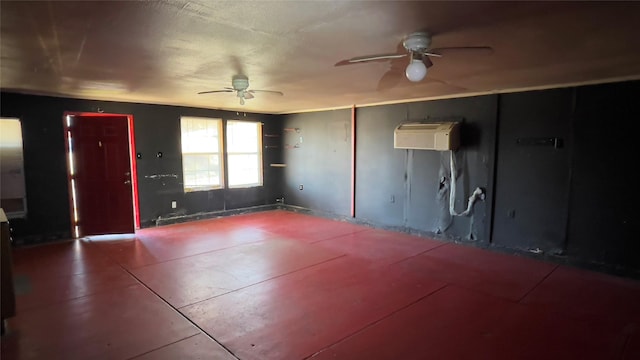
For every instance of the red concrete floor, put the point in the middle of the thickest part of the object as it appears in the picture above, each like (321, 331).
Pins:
(283, 285)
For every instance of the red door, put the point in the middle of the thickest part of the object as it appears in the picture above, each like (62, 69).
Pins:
(101, 175)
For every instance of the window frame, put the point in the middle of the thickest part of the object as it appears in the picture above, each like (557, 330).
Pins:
(220, 153)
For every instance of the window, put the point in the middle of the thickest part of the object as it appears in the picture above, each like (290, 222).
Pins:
(12, 187)
(201, 153)
(244, 153)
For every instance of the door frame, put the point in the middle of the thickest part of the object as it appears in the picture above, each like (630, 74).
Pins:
(132, 164)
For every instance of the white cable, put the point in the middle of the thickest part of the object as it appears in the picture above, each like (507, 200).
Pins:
(477, 193)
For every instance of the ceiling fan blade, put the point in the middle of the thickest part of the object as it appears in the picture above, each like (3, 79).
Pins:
(267, 91)
(476, 50)
(393, 76)
(367, 58)
(248, 95)
(376, 57)
(429, 53)
(214, 91)
(389, 80)
(434, 80)
(427, 62)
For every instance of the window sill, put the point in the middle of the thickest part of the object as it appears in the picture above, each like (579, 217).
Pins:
(203, 188)
(245, 186)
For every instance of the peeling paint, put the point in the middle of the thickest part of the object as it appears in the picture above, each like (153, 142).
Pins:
(160, 176)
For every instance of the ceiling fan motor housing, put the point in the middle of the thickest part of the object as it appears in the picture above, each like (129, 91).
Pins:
(240, 83)
(417, 42)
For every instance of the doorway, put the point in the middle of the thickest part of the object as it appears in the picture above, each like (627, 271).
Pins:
(101, 167)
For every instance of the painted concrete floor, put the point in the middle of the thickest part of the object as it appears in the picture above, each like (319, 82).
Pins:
(283, 285)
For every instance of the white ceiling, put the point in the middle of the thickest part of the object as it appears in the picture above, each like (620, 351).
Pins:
(167, 51)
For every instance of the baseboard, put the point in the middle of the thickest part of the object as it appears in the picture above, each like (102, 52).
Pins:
(209, 215)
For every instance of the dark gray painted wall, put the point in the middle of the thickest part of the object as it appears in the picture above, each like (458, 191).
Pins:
(321, 160)
(157, 128)
(532, 182)
(604, 186)
(380, 169)
(567, 202)
(474, 163)
(44, 165)
(597, 124)
(397, 187)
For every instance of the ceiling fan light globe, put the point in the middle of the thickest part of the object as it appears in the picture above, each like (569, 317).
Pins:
(416, 70)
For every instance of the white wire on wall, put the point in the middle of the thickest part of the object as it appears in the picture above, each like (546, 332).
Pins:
(477, 193)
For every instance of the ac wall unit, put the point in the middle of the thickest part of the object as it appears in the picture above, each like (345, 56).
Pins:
(427, 136)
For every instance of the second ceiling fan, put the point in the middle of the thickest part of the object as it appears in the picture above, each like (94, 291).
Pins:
(417, 48)
(240, 85)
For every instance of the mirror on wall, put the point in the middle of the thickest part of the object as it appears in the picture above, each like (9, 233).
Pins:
(13, 198)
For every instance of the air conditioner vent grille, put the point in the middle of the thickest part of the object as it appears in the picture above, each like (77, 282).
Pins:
(427, 136)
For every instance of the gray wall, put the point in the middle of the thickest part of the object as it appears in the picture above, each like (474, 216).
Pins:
(604, 183)
(532, 181)
(570, 204)
(397, 187)
(157, 128)
(565, 203)
(317, 152)
(394, 188)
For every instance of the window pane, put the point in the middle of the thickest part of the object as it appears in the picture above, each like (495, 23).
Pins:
(202, 178)
(243, 170)
(214, 177)
(189, 179)
(242, 136)
(214, 161)
(199, 135)
(188, 163)
(14, 198)
(244, 153)
(201, 163)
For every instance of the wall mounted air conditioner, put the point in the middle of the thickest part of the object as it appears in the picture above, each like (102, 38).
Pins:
(427, 136)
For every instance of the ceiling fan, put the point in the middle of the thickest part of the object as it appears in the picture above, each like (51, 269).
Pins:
(417, 47)
(240, 85)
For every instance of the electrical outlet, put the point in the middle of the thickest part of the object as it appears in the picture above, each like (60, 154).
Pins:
(300, 187)
(174, 204)
(392, 199)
